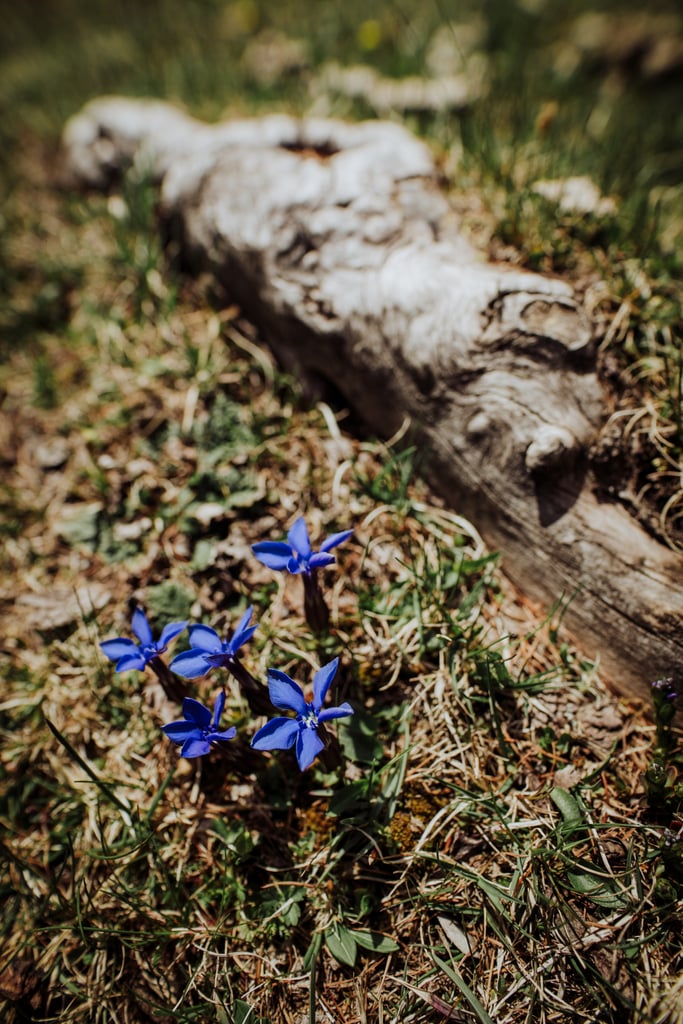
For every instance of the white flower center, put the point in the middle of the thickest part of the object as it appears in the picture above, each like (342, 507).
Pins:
(309, 719)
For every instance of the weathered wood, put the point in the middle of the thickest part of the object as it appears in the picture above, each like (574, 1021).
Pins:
(337, 242)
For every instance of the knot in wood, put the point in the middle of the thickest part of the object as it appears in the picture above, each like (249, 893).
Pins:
(552, 446)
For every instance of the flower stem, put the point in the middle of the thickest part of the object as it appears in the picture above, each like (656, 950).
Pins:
(664, 693)
(255, 694)
(173, 686)
(316, 611)
(330, 757)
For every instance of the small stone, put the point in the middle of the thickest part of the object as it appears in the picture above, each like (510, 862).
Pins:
(52, 453)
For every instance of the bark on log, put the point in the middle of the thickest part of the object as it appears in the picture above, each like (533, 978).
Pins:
(337, 242)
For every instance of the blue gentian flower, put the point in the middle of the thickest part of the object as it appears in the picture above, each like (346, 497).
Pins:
(282, 733)
(296, 554)
(199, 729)
(129, 655)
(208, 651)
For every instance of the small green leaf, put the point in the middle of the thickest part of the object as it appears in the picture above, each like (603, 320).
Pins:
(600, 891)
(169, 601)
(79, 525)
(569, 808)
(358, 737)
(374, 941)
(243, 1013)
(341, 944)
(350, 800)
(203, 555)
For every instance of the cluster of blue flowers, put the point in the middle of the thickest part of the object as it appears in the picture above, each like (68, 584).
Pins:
(200, 727)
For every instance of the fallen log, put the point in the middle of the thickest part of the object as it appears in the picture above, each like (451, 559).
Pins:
(337, 242)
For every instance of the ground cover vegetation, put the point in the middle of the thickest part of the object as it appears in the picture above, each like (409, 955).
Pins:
(491, 835)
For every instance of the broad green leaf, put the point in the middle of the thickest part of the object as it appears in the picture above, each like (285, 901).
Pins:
(600, 891)
(349, 800)
(358, 737)
(341, 944)
(243, 1013)
(569, 808)
(374, 941)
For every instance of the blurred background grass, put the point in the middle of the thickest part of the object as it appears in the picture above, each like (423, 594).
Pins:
(617, 112)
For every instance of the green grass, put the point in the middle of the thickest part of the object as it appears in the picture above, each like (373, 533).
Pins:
(502, 839)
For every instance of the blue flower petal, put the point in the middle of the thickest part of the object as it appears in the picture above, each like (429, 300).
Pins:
(243, 631)
(297, 555)
(220, 660)
(141, 627)
(341, 712)
(298, 538)
(285, 693)
(277, 734)
(239, 641)
(244, 621)
(131, 661)
(308, 746)
(195, 748)
(118, 648)
(196, 712)
(320, 560)
(227, 734)
(181, 731)
(321, 682)
(273, 553)
(190, 664)
(218, 709)
(334, 539)
(170, 632)
(206, 639)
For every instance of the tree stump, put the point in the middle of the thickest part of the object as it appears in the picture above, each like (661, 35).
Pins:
(337, 242)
